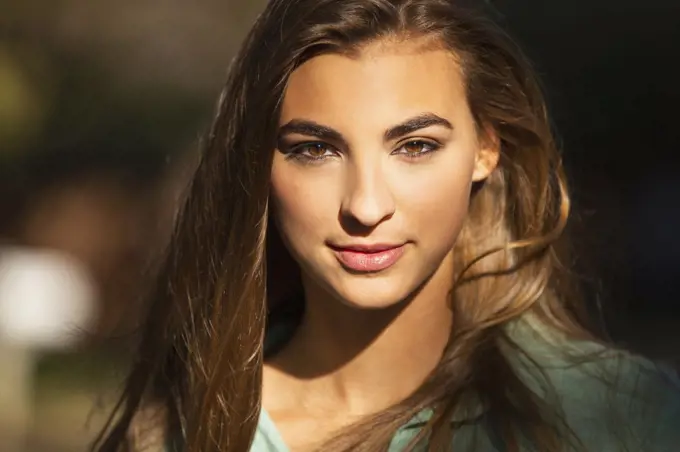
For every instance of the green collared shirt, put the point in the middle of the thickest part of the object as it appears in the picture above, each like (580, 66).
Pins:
(612, 402)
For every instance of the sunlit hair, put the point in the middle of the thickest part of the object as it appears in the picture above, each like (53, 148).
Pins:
(201, 355)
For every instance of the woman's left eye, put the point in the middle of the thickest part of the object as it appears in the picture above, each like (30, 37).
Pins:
(416, 148)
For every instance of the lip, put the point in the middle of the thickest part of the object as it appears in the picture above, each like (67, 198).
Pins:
(368, 258)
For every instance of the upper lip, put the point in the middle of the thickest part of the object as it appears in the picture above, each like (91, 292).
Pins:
(366, 248)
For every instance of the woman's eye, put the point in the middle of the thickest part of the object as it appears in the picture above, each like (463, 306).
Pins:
(416, 148)
(311, 151)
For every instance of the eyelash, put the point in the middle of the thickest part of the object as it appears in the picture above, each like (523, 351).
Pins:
(296, 151)
(430, 145)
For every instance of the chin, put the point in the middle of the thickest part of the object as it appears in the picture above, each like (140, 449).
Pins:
(373, 291)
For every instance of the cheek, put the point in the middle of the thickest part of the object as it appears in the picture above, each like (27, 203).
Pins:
(436, 206)
(300, 209)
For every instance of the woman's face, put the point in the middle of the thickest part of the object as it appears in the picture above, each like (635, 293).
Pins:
(372, 175)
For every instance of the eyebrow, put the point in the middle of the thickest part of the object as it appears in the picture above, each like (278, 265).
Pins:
(414, 124)
(311, 128)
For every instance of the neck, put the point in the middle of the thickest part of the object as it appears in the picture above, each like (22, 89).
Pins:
(367, 360)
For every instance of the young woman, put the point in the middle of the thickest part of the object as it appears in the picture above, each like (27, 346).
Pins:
(367, 258)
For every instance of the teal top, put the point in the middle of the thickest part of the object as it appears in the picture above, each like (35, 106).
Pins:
(640, 412)
(648, 421)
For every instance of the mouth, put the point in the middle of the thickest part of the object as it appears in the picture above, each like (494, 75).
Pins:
(368, 258)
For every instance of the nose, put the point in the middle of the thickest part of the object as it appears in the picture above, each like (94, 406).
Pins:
(368, 200)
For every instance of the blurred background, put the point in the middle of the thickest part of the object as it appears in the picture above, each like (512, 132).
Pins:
(102, 105)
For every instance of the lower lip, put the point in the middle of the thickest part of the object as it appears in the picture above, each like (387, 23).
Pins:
(369, 262)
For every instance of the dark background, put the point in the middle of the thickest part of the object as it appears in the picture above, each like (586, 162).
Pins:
(611, 72)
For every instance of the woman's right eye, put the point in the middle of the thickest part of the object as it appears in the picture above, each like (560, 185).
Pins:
(311, 151)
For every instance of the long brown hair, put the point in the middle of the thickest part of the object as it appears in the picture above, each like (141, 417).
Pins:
(201, 355)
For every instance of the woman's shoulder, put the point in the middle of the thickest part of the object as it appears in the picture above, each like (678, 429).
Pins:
(607, 395)
(622, 396)
(620, 378)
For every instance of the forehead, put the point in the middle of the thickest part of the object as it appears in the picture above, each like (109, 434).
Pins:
(380, 84)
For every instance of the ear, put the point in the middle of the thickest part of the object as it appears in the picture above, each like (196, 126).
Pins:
(488, 155)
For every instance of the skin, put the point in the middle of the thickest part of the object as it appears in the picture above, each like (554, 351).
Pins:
(360, 330)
